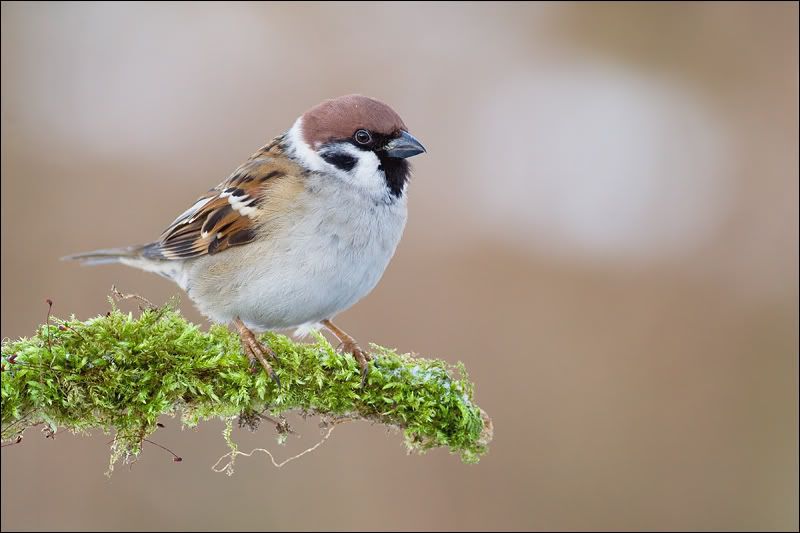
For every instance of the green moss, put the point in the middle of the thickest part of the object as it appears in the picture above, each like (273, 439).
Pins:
(121, 373)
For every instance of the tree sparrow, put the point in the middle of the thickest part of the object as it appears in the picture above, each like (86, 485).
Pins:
(301, 231)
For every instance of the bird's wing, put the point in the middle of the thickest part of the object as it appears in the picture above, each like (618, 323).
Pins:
(231, 213)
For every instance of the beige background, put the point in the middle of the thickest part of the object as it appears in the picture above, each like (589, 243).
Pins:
(604, 229)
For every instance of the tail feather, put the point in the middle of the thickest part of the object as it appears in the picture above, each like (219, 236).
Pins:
(145, 257)
(106, 256)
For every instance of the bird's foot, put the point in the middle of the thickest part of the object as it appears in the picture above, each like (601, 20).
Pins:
(256, 351)
(350, 346)
(362, 358)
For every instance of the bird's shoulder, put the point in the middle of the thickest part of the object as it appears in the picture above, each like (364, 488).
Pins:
(257, 193)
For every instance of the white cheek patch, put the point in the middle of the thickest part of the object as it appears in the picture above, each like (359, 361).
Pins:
(302, 151)
(366, 175)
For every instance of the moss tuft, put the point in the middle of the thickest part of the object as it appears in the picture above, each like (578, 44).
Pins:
(120, 373)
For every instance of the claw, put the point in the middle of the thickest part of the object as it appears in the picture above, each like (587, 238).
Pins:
(348, 344)
(275, 378)
(256, 351)
(362, 358)
(255, 364)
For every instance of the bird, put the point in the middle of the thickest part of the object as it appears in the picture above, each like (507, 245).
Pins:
(298, 233)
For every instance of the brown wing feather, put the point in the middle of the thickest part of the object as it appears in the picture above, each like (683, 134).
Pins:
(229, 214)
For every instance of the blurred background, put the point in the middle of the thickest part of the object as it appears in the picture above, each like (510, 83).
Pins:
(604, 230)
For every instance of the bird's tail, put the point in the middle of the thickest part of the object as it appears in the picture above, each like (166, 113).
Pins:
(107, 256)
(145, 257)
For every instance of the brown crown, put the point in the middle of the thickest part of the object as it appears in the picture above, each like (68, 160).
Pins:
(341, 117)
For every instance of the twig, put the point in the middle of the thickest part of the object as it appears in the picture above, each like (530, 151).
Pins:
(175, 458)
(120, 296)
(282, 426)
(49, 303)
(228, 468)
(19, 439)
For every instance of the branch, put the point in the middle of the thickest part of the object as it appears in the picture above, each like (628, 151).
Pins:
(116, 372)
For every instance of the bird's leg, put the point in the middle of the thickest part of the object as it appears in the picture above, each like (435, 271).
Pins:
(350, 346)
(255, 350)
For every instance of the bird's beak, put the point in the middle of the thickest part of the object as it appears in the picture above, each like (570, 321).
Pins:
(404, 146)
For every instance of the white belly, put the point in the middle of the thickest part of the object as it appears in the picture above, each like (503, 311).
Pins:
(318, 264)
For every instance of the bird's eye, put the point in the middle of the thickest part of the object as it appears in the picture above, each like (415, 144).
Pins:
(363, 137)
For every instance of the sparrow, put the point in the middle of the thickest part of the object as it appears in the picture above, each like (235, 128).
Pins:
(298, 233)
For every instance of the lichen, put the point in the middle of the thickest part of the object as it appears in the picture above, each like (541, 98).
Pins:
(120, 373)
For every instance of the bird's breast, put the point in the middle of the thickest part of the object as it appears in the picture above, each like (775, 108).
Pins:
(343, 249)
(320, 260)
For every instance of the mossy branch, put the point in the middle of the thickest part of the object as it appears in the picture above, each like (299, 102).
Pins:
(119, 372)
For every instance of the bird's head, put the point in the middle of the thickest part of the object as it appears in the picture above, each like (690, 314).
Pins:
(358, 139)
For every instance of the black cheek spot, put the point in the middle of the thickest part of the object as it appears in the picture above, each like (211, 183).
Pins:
(339, 160)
